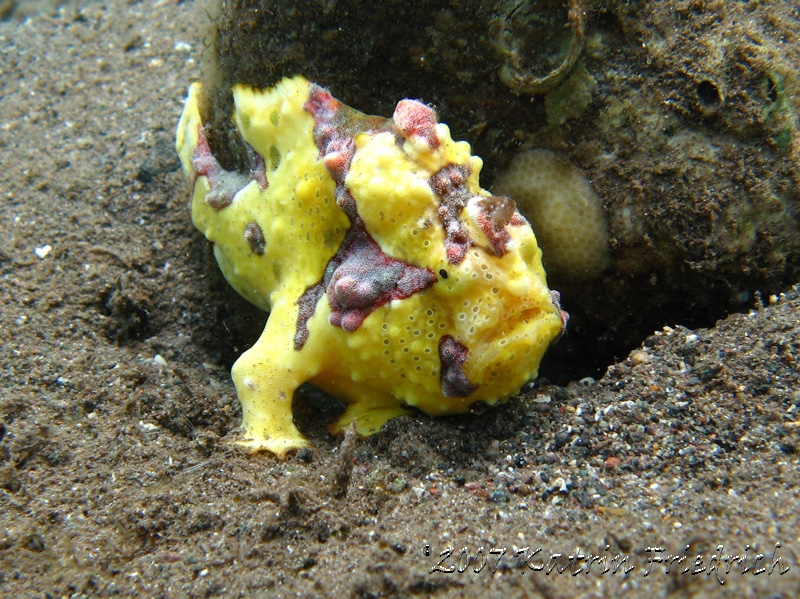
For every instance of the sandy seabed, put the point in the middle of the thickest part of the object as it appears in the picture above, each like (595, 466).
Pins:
(118, 332)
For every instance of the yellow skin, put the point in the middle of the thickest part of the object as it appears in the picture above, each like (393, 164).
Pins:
(495, 307)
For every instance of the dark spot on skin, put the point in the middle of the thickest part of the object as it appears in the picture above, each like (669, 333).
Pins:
(346, 201)
(555, 297)
(255, 238)
(224, 188)
(443, 273)
(335, 126)
(366, 279)
(517, 220)
(496, 212)
(203, 161)
(258, 169)
(449, 184)
(308, 305)
(355, 284)
(415, 119)
(453, 379)
(223, 185)
(360, 278)
(499, 209)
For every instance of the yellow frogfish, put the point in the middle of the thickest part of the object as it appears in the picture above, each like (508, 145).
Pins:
(393, 281)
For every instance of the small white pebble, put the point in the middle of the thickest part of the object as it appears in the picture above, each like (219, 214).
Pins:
(42, 252)
(182, 47)
(159, 360)
(691, 341)
(560, 484)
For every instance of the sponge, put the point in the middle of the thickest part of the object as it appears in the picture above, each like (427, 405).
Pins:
(564, 211)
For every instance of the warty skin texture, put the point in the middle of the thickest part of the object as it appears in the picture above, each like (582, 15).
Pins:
(392, 279)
